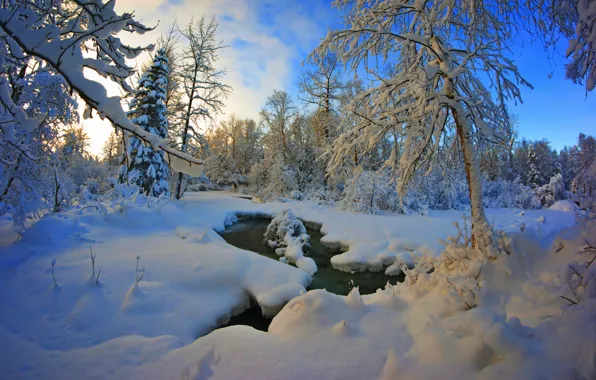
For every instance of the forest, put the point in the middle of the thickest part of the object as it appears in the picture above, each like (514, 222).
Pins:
(303, 148)
(415, 231)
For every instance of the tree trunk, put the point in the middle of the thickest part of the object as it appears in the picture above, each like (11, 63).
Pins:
(179, 186)
(479, 221)
(179, 190)
(56, 192)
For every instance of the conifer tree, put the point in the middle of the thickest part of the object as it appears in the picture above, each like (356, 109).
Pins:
(533, 174)
(146, 167)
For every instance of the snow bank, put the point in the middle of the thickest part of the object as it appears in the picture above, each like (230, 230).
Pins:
(193, 281)
(113, 328)
(564, 205)
(520, 328)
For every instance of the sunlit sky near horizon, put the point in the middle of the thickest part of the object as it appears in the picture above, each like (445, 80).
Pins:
(268, 40)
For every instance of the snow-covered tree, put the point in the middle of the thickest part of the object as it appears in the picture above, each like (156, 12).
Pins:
(234, 147)
(551, 192)
(113, 150)
(546, 157)
(583, 187)
(39, 98)
(68, 37)
(75, 169)
(587, 151)
(370, 193)
(442, 53)
(279, 117)
(533, 173)
(201, 80)
(146, 167)
(321, 87)
(577, 21)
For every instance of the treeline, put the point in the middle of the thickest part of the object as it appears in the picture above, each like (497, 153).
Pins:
(285, 154)
(311, 147)
(368, 147)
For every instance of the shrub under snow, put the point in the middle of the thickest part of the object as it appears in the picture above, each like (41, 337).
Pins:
(288, 236)
(370, 193)
(583, 186)
(507, 194)
(553, 191)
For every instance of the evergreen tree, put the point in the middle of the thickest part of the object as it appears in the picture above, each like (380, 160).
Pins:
(587, 150)
(113, 150)
(533, 174)
(545, 160)
(146, 167)
(557, 169)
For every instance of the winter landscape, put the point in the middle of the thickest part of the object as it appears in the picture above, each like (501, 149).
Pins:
(346, 189)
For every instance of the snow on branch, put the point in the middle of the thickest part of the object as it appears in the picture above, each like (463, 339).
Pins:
(65, 36)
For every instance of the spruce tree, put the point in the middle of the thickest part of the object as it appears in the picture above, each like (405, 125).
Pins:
(533, 174)
(146, 167)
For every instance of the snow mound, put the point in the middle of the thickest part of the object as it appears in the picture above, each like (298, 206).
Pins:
(518, 327)
(288, 236)
(564, 205)
(512, 322)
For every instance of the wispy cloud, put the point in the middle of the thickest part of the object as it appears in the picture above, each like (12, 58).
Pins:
(267, 41)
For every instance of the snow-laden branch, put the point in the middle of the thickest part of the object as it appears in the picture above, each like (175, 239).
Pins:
(58, 35)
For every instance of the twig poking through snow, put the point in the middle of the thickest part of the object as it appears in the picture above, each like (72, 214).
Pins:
(92, 260)
(54, 276)
(97, 279)
(139, 278)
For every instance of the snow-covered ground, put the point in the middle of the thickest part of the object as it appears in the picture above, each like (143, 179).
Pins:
(192, 281)
(7, 234)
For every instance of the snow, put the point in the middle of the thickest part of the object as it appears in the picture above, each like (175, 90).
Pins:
(114, 328)
(193, 282)
(564, 205)
(288, 235)
(7, 233)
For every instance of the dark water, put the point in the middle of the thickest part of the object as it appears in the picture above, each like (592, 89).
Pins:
(248, 234)
(252, 317)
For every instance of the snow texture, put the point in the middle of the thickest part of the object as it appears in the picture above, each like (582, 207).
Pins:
(167, 278)
(288, 235)
(144, 166)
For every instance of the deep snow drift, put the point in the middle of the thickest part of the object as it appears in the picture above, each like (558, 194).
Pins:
(192, 281)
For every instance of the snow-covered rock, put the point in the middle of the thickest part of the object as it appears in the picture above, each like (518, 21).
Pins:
(288, 236)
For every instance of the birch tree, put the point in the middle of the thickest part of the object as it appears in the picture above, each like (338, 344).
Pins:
(201, 82)
(447, 55)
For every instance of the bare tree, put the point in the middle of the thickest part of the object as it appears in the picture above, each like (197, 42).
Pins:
(278, 116)
(201, 82)
(321, 87)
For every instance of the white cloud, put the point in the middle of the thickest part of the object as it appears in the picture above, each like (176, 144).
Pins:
(263, 47)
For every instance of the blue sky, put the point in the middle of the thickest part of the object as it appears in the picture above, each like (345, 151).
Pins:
(556, 109)
(268, 40)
